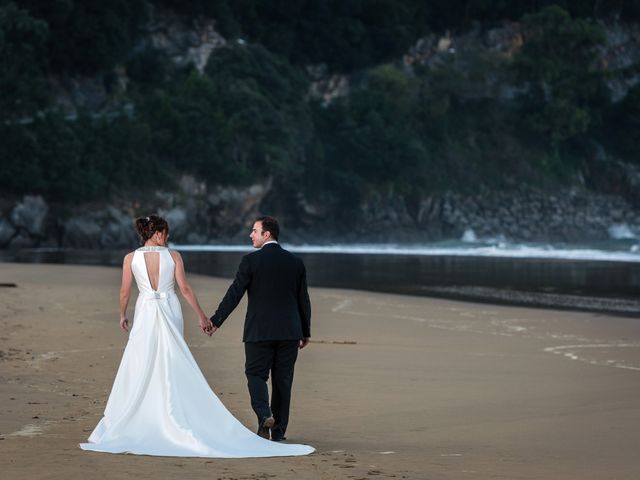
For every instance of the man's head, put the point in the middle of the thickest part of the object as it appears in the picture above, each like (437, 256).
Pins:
(265, 229)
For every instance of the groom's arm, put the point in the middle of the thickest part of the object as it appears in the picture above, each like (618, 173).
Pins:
(234, 293)
(304, 304)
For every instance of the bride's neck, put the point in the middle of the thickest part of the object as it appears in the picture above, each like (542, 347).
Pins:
(152, 243)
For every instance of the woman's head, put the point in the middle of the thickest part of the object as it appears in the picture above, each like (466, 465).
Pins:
(152, 227)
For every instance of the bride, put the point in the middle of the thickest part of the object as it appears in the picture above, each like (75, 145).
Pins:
(160, 403)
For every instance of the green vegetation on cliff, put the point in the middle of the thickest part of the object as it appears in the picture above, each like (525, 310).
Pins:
(248, 115)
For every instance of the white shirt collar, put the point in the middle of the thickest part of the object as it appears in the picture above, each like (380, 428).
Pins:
(270, 241)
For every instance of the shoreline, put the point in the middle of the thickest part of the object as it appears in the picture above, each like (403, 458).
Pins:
(623, 306)
(562, 297)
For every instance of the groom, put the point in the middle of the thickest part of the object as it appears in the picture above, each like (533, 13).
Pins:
(277, 323)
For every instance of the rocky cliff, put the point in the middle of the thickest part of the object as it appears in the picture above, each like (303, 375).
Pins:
(602, 202)
(201, 215)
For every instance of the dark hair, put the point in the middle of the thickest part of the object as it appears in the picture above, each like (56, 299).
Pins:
(147, 226)
(270, 224)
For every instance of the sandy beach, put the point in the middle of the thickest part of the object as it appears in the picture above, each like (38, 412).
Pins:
(391, 387)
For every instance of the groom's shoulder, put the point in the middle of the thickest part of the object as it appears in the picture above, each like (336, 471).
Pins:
(251, 255)
(276, 250)
(272, 251)
(291, 256)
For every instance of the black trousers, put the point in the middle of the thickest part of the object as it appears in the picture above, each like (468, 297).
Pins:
(277, 358)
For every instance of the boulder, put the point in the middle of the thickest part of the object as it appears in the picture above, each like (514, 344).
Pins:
(178, 223)
(29, 215)
(117, 229)
(7, 232)
(82, 232)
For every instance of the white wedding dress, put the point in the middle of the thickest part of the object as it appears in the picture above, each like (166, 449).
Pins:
(160, 403)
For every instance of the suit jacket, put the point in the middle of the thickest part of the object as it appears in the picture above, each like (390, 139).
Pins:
(279, 307)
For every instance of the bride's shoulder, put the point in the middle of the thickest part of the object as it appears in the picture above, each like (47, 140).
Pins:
(128, 257)
(175, 254)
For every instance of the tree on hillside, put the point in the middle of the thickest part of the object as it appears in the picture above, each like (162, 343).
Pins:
(22, 45)
(559, 65)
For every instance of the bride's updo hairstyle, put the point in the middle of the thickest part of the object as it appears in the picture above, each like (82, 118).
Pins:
(147, 226)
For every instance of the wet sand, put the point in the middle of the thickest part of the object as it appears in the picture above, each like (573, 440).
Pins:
(391, 387)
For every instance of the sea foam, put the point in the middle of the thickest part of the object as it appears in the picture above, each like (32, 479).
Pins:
(500, 250)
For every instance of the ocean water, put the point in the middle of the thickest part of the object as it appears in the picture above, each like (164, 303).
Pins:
(595, 276)
(615, 250)
(408, 268)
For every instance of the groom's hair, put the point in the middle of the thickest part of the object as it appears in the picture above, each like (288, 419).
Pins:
(270, 224)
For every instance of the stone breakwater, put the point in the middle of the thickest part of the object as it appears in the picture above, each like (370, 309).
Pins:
(531, 215)
(200, 215)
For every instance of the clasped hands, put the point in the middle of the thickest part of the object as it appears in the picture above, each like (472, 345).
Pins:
(207, 327)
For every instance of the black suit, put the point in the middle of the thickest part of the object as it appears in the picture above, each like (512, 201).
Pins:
(278, 316)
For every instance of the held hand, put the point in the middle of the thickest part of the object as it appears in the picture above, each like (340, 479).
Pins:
(206, 326)
(124, 324)
(304, 342)
(212, 330)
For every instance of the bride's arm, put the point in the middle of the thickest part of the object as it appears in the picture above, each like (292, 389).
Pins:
(125, 291)
(189, 295)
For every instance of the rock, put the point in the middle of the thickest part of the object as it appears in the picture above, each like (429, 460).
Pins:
(117, 229)
(178, 222)
(196, 239)
(29, 215)
(7, 232)
(110, 228)
(82, 232)
(201, 214)
(621, 53)
(621, 232)
(469, 236)
(324, 86)
(190, 186)
(22, 240)
(79, 93)
(185, 43)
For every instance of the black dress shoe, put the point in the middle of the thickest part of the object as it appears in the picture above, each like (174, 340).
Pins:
(278, 439)
(265, 427)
